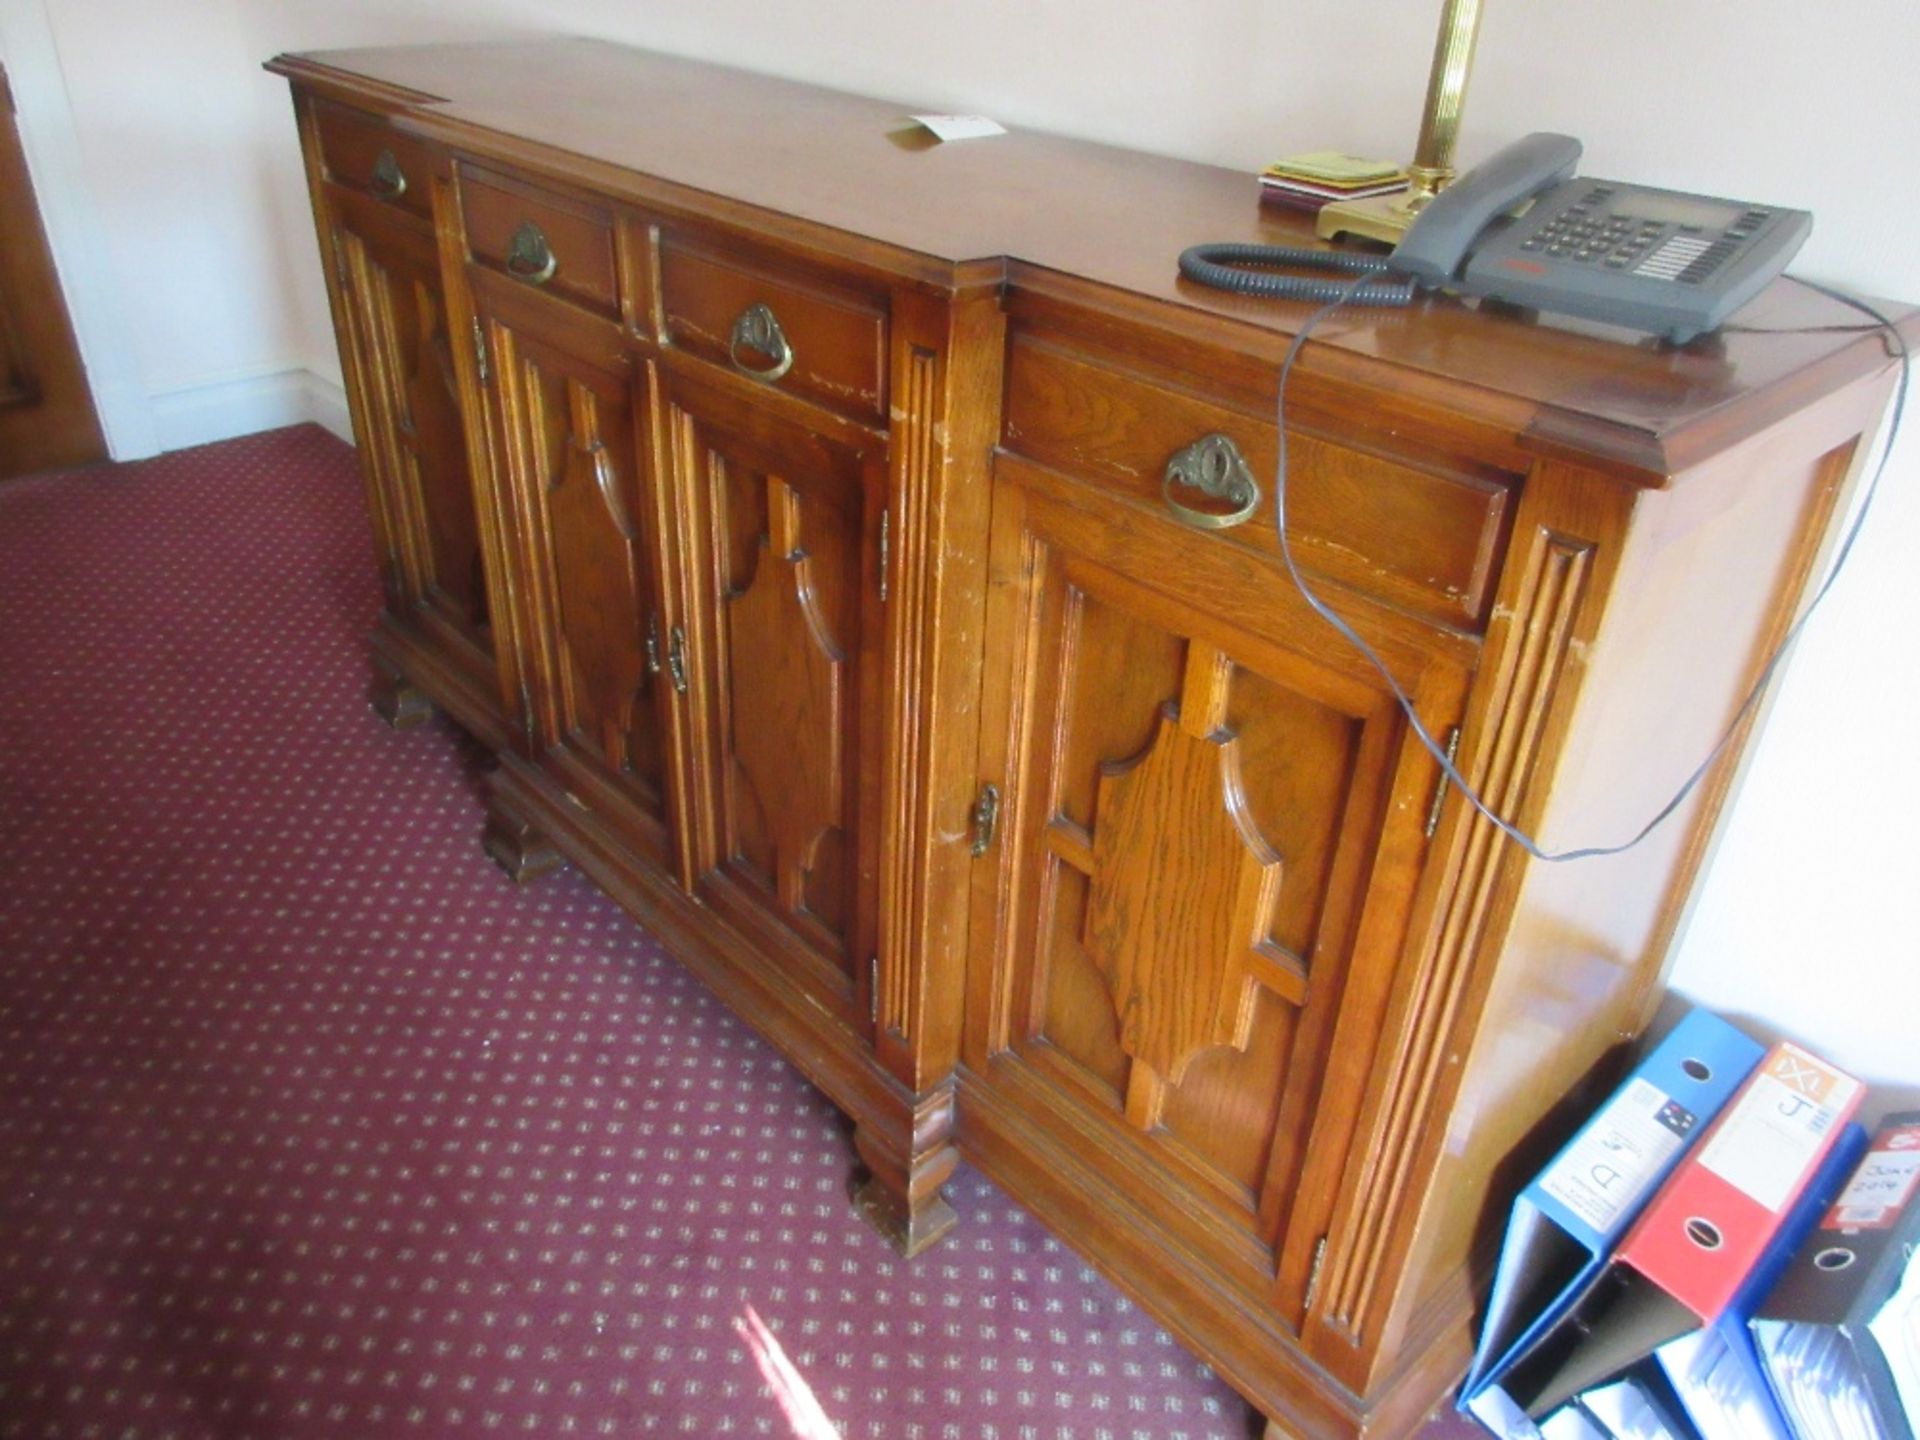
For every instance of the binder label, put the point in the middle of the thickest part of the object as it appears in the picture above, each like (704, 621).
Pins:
(1881, 1187)
(1623, 1150)
(1776, 1129)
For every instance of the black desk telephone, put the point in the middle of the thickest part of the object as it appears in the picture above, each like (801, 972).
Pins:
(1663, 261)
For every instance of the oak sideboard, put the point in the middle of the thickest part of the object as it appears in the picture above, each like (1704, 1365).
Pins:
(825, 528)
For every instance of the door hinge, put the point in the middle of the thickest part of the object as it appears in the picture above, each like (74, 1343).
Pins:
(986, 818)
(653, 644)
(677, 658)
(526, 708)
(886, 516)
(1313, 1274)
(873, 990)
(480, 352)
(1440, 787)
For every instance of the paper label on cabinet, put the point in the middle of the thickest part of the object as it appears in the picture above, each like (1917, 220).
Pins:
(1777, 1129)
(960, 127)
(1622, 1150)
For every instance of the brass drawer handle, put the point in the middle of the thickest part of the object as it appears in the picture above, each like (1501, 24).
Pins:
(529, 256)
(388, 180)
(757, 329)
(1214, 466)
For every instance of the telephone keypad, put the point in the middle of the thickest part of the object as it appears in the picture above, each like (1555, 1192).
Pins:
(1665, 261)
(1589, 233)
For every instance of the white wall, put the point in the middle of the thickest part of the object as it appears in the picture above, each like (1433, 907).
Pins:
(1810, 919)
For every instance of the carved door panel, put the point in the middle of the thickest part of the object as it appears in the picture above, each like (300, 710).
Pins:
(602, 650)
(1212, 835)
(399, 329)
(789, 611)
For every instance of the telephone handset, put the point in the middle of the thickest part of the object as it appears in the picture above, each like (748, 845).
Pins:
(1521, 229)
(1445, 231)
(1659, 260)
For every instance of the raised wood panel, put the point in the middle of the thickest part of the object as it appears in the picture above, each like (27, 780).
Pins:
(1195, 808)
(786, 677)
(790, 597)
(574, 435)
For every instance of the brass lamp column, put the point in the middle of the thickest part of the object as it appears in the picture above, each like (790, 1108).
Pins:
(1386, 217)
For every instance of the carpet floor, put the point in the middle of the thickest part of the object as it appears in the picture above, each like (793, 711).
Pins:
(312, 1125)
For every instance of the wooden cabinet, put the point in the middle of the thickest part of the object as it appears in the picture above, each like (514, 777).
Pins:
(866, 570)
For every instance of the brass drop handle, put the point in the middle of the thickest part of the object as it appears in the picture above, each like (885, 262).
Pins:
(1212, 465)
(529, 256)
(757, 329)
(388, 179)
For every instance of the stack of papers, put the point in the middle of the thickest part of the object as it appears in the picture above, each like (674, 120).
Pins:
(1897, 1329)
(1306, 182)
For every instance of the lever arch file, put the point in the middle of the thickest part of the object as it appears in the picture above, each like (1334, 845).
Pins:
(1566, 1222)
(1683, 1261)
(1824, 1364)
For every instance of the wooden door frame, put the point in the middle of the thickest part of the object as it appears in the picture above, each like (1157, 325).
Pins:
(44, 115)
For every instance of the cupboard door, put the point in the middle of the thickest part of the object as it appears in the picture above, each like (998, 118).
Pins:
(399, 328)
(788, 604)
(601, 648)
(1212, 834)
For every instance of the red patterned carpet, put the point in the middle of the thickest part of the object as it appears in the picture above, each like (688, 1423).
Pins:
(312, 1125)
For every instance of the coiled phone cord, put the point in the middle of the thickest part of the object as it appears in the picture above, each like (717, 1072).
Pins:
(1224, 267)
(1339, 294)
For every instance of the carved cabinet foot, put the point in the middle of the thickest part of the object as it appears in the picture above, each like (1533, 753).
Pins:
(515, 844)
(397, 700)
(900, 1194)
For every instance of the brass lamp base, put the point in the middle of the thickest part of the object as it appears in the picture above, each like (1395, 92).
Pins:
(1384, 217)
(1378, 217)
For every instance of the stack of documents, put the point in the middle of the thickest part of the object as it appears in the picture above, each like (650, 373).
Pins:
(1306, 182)
(1897, 1328)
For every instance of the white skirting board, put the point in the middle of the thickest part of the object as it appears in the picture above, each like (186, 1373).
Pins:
(243, 404)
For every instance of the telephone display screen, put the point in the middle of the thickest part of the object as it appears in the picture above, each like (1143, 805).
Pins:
(1681, 210)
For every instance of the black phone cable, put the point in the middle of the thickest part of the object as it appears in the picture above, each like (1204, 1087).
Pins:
(1354, 291)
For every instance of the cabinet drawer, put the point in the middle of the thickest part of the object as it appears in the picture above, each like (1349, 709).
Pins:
(548, 241)
(1421, 535)
(363, 152)
(805, 334)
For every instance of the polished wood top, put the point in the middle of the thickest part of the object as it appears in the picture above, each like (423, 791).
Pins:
(1072, 211)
